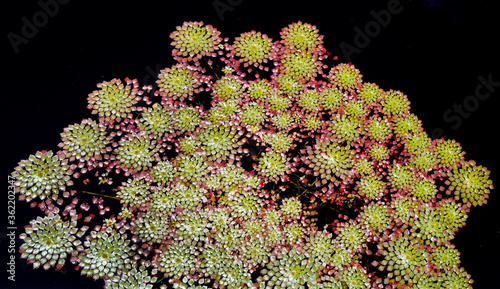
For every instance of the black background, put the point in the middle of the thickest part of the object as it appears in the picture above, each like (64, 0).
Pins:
(434, 51)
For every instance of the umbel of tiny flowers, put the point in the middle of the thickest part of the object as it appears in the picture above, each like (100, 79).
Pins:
(260, 162)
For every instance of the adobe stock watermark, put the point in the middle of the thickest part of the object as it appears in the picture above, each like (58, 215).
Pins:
(371, 29)
(11, 230)
(31, 26)
(463, 110)
(222, 6)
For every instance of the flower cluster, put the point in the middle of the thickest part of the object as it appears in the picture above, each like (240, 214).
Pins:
(263, 163)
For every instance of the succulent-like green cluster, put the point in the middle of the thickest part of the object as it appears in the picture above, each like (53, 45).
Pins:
(257, 163)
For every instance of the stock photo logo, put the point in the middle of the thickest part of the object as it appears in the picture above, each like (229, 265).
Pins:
(459, 112)
(215, 175)
(32, 25)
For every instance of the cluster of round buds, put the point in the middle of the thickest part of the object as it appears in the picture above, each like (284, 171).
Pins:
(179, 82)
(42, 175)
(302, 37)
(470, 184)
(137, 152)
(85, 141)
(222, 176)
(221, 141)
(253, 48)
(49, 241)
(345, 76)
(106, 253)
(135, 278)
(290, 269)
(193, 40)
(330, 160)
(114, 101)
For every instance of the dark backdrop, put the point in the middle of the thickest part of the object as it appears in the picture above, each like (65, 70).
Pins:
(434, 51)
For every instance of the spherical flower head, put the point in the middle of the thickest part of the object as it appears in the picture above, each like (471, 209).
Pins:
(163, 173)
(345, 76)
(457, 278)
(137, 152)
(290, 269)
(115, 100)
(403, 209)
(309, 100)
(416, 142)
(220, 141)
(406, 124)
(376, 217)
(378, 129)
(404, 258)
(401, 176)
(259, 89)
(137, 278)
(48, 241)
(331, 98)
(178, 259)
(42, 175)
(228, 87)
(288, 85)
(371, 187)
(178, 82)
(253, 114)
(445, 257)
(106, 254)
(424, 189)
(470, 184)
(186, 118)
(345, 128)
(193, 40)
(395, 103)
(379, 152)
(320, 247)
(351, 236)
(151, 227)
(134, 193)
(253, 48)
(371, 94)
(300, 66)
(449, 153)
(273, 166)
(190, 168)
(85, 140)
(302, 37)
(330, 160)
(283, 121)
(291, 207)
(280, 141)
(354, 277)
(433, 226)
